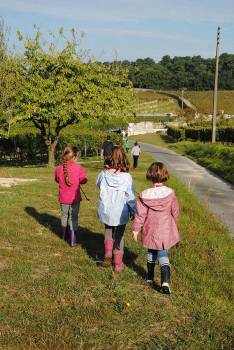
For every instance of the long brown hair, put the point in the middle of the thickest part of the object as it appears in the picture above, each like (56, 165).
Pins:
(118, 160)
(69, 153)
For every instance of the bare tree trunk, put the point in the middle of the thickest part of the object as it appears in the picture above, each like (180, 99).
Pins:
(51, 152)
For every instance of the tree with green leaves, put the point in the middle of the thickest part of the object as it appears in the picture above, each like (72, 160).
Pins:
(8, 82)
(58, 88)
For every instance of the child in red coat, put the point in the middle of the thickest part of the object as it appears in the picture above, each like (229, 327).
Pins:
(70, 175)
(156, 217)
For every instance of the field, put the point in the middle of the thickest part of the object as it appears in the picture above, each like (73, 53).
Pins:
(153, 102)
(150, 95)
(57, 297)
(203, 100)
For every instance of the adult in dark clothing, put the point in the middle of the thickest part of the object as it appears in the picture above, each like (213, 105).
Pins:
(107, 147)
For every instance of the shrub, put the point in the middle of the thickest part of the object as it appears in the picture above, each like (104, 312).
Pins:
(201, 133)
(28, 147)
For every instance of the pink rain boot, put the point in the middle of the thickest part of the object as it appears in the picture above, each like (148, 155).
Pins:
(118, 262)
(108, 253)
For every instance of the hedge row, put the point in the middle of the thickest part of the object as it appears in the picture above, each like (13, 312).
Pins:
(223, 134)
(30, 147)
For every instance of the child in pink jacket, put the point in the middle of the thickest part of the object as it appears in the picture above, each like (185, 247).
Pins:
(70, 175)
(156, 218)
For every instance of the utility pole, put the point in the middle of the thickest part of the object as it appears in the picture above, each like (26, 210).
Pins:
(215, 88)
(182, 100)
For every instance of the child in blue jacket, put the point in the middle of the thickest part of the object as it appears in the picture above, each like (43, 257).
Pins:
(116, 205)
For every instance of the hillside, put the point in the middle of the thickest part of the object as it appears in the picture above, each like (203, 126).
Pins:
(151, 102)
(203, 100)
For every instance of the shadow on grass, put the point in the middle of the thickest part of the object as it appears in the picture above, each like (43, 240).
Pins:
(91, 242)
(49, 221)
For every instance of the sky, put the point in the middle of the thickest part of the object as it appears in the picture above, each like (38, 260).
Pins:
(129, 29)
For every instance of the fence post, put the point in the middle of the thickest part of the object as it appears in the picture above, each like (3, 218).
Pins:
(85, 149)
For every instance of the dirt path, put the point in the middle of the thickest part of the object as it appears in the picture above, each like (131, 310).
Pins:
(12, 181)
(214, 192)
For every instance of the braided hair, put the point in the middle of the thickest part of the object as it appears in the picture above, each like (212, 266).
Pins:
(69, 153)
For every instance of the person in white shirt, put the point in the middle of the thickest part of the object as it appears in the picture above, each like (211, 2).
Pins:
(135, 152)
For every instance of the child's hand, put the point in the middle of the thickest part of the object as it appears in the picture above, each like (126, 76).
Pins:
(135, 235)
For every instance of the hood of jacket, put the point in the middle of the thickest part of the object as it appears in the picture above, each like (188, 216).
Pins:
(117, 181)
(157, 204)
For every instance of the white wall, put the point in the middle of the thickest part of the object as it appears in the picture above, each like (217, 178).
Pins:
(145, 128)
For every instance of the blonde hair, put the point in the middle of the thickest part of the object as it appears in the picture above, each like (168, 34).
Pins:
(69, 153)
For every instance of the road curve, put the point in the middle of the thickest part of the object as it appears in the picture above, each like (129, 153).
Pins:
(217, 194)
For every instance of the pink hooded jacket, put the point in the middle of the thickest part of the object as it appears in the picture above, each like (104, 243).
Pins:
(77, 176)
(157, 214)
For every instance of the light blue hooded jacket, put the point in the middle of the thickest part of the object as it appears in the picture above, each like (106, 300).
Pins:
(117, 198)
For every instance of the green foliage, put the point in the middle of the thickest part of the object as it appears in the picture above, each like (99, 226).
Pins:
(194, 73)
(9, 70)
(57, 88)
(23, 148)
(91, 140)
(26, 147)
(200, 133)
(176, 133)
(8, 83)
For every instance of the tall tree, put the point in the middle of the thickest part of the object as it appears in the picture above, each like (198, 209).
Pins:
(8, 86)
(58, 88)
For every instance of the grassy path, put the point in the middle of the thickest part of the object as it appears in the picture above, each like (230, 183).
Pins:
(55, 297)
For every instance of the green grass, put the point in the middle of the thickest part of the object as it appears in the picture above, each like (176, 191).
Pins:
(56, 297)
(218, 158)
(150, 95)
(155, 119)
(153, 102)
(153, 139)
(203, 100)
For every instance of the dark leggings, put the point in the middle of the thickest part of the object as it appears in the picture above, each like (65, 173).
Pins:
(116, 233)
(135, 161)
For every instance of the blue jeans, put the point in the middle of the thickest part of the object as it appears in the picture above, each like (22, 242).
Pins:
(161, 256)
(69, 215)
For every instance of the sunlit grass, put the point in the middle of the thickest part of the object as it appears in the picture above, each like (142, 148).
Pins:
(56, 297)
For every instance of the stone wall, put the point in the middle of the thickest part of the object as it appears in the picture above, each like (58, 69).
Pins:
(145, 128)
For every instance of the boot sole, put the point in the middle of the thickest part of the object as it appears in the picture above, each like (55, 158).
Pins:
(166, 290)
